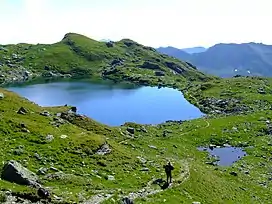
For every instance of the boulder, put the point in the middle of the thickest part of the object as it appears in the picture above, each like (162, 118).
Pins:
(74, 109)
(15, 172)
(104, 149)
(1, 95)
(150, 65)
(22, 111)
(126, 201)
(45, 113)
(131, 130)
(110, 44)
(175, 67)
(159, 73)
(111, 178)
(116, 62)
(43, 193)
(42, 171)
(49, 138)
(233, 173)
(261, 91)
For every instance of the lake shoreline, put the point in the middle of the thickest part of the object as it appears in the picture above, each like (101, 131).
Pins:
(138, 104)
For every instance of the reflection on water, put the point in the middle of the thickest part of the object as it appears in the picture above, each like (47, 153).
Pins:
(113, 104)
(225, 156)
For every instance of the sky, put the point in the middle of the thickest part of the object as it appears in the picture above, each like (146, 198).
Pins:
(178, 23)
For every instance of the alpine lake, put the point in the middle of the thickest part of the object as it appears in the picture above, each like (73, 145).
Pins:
(111, 103)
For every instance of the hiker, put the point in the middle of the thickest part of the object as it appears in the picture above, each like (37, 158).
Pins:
(168, 170)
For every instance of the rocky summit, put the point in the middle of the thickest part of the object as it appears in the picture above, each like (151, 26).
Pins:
(58, 155)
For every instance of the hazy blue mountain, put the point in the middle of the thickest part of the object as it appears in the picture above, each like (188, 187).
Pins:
(227, 60)
(174, 52)
(192, 50)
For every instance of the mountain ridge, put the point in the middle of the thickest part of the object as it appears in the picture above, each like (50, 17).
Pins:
(230, 59)
(78, 55)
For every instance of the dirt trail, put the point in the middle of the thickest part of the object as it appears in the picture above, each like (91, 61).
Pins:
(148, 190)
(151, 190)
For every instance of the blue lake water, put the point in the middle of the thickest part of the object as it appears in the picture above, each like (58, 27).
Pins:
(112, 104)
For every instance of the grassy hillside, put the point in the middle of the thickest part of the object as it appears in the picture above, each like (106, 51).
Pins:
(74, 172)
(79, 160)
(78, 56)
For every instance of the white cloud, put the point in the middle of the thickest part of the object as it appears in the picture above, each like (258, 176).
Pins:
(180, 23)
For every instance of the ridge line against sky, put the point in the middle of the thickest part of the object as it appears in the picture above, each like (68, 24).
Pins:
(156, 23)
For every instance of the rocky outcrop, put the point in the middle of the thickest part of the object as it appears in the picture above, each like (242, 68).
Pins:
(150, 65)
(127, 201)
(104, 149)
(159, 73)
(110, 44)
(131, 130)
(175, 67)
(22, 111)
(16, 173)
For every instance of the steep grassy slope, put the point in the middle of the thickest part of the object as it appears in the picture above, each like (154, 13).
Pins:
(79, 56)
(136, 159)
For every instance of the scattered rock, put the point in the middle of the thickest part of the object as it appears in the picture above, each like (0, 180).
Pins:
(211, 146)
(43, 193)
(111, 178)
(18, 151)
(54, 169)
(246, 172)
(22, 111)
(159, 73)
(261, 91)
(152, 146)
(15, 172)
(233, 173)
(37, 156)
(131, 130)
(150, 65)
(126, 201)
(42, 171)
(74, 109)
(195, 202)
(45, 113)
(63, 136)
(143, 129)
(142, 160)
(117, 62)
(25, 130)
(175, 67)
(49, 138)
(110, 44)
(104, 149)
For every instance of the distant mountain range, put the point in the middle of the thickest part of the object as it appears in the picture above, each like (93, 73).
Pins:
(192, 50)
(227, 60)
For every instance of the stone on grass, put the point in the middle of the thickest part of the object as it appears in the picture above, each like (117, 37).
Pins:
(49, 138)
(111, 178)
(22, 111)
(15, 172)
(131, 130)
(104, 149)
